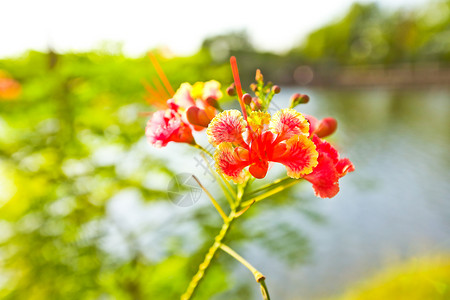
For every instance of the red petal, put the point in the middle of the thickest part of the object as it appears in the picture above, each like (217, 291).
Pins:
(227, 126)
(167, 126)
(259, 170)
(323, 147)
(344, 166)
(231, 161)
(324, 178)
(300, 156)
(287, 123)
(313, 123)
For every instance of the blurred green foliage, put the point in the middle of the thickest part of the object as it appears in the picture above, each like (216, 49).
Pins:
(72, 142)
(56, 181)
(370, 35)
(366, 36)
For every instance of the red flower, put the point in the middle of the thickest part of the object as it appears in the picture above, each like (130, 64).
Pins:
(167, 126)
(262, 140)
(191, 107)
(325, 177)
(197, 103)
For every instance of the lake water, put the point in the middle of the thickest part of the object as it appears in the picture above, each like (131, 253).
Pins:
(394, 207)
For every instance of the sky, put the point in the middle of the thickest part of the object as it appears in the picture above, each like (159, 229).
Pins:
(181, 26)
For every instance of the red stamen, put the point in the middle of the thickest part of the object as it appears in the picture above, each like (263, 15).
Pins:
(237, 82)
(160, 90)
(155, 98)
(161, 74)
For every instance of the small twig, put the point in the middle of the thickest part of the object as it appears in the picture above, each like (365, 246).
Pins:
(226, 191)
(269, 185)
(242, 211)
(203, 149)
(264, 290)
(203, 267)
(214, 202)
(270, 193)
(259, 277)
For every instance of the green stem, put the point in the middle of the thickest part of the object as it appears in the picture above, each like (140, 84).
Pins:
(214, 202)
(259, 277)
(269, 185)
(203, 149)
(227, 190)
(269, 193)
(264, 290)
(203, 267)
(207, 260)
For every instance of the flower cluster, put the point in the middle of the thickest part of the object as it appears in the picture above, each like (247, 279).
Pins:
(261, 140)
(247, 142)
(190, 108)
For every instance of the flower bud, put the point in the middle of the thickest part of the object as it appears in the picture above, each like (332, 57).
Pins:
(326, 127)
(259, 76)
(297, 99)
(256, 104)
(231, 91)
(276, 89)
(211, 101)
(197, 116)
(254, 87)
(247, 98)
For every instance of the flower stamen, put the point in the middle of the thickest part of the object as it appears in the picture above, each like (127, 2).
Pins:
(237, 82)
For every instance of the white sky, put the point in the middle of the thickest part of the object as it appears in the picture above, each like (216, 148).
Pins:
(179, 25)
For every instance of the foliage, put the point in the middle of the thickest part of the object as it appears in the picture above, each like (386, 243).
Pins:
(420, 278)
(69, 145)
(369, 35)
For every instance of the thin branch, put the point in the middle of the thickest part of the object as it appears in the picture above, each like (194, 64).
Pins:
(203, 149)
(242, 211)
(226, 191)
(269, 193)
(203, 267)
(259, 277)
(269, 185)
(214, 202)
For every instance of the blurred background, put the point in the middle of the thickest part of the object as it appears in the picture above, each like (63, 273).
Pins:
(84, 212)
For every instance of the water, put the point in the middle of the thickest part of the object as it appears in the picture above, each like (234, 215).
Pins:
(394, 207)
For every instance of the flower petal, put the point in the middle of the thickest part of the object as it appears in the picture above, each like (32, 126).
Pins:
(227, 126)
(167, 126)
(344, 166)
(183, 96)
(324, 178)
(299, 157)
(231, 161)
(288, 122)
(325, 148)
(259, 169)
(211, 89)
(313, 123)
